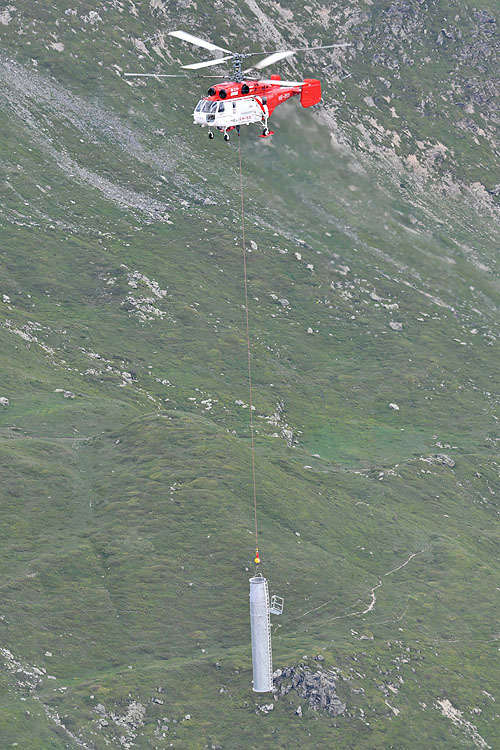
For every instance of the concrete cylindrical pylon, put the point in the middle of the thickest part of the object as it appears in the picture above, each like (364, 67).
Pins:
(262, 658)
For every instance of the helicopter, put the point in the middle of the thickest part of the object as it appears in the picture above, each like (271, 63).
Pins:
(241, 99)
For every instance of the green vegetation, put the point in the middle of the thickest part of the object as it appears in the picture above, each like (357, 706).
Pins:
(127, 513)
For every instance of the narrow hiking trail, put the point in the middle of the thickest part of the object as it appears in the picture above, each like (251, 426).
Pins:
(373, 599)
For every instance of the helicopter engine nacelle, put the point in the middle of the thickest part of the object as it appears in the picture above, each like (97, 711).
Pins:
(311, 92)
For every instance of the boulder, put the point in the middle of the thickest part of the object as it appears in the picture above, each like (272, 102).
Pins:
(442, 458)
(336, 707)
(266, 708)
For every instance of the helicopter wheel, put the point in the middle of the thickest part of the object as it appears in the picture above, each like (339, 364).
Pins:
(265, 132)
(210, 135)
(226, 136)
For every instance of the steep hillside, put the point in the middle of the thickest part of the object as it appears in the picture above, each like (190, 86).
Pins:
(373, 233)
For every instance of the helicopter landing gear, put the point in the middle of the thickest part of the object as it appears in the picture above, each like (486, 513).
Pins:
(226, 137)
(210, 135)
(266, 132)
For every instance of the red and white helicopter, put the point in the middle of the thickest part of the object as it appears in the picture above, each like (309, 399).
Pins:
(244, 100)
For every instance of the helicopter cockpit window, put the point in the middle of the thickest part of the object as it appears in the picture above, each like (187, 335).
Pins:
(210, 107)
(221, 107)
(199, 105)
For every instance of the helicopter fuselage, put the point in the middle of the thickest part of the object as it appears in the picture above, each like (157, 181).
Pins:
(230, 105)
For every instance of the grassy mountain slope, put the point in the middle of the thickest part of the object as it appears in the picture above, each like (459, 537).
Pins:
(127, 511)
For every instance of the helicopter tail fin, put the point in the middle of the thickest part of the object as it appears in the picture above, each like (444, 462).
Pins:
(311, 92)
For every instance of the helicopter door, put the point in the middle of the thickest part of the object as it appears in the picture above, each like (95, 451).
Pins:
(248, 110)
(223, 112)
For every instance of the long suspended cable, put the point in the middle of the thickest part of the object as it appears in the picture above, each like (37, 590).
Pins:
(249, 356)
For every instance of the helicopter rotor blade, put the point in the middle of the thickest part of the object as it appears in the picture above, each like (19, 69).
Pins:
(280, 82)
(156, 75)
(323, 46)
(299, 49)
(282, 54)
(275, 57)
(206, 63)
(196, 40)
(168, 75)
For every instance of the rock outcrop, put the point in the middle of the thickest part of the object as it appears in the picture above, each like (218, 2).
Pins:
(318, 688)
